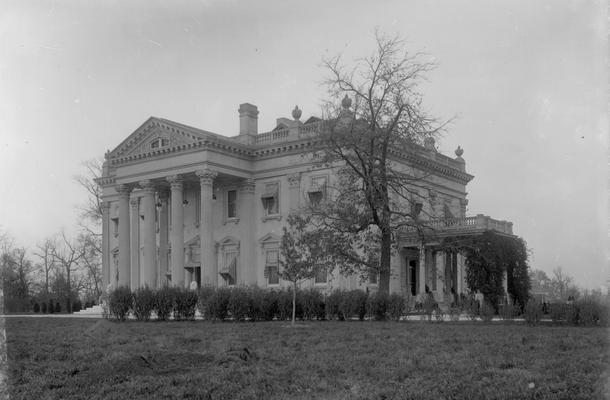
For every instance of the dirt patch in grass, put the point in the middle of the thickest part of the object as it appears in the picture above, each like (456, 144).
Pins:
(83, 358)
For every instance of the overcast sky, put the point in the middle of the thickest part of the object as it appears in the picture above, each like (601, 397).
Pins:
(527, 81)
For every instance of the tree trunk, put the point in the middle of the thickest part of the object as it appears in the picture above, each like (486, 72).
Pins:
(294, 302)
(69, 302)
(384, 267)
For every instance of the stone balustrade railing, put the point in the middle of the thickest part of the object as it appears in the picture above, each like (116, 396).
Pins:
(283, 134)
(273, 136)
(477, 223)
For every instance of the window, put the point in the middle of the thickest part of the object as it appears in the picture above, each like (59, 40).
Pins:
(159, 142)
(232, 204)
(447, 211)
(272, 267)
(270, 199)
(317, 191)
(229, 270)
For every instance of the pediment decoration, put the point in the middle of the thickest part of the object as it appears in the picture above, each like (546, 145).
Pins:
(228, 242)
(166, 134)
(270, 240)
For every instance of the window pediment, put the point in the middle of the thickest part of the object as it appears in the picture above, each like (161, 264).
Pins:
(270, 240)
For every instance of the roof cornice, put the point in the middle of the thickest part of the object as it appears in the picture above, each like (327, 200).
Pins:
(208, 141)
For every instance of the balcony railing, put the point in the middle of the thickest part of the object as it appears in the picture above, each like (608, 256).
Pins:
(281, 135)
(456, 226)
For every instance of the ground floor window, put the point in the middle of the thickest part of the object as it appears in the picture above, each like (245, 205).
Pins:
(272, 267)
(229, 270)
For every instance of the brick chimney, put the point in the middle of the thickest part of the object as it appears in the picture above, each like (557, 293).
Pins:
(248, 119)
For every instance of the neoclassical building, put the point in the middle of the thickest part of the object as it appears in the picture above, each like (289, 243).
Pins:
(183, 205)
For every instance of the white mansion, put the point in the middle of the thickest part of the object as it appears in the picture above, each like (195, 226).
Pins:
(183, 205)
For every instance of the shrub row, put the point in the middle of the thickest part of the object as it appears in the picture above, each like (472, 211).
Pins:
(585, 312)
(251, 303)
(44, 307)
(178, 303)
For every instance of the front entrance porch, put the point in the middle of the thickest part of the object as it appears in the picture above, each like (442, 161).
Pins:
(426, 269)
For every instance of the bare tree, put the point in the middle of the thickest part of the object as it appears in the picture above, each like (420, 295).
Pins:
(91, 266)
(368, 140)
(47, 263)
(91, 211)
(68, 253)
(561, 283)
(15, 271)
(90, 222)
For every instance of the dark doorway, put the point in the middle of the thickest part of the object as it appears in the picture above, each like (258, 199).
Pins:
(412, 276)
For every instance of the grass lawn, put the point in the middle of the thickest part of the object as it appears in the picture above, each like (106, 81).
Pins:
(68, 358)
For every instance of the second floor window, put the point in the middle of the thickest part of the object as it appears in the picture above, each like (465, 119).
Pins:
(270, 199)
(232, 204)
(317, 191)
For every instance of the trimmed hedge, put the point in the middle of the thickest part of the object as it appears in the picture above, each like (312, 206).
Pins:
(143, 303)
(251, 303)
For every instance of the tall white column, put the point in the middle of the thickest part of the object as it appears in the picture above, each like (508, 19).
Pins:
(177, 234)
(246, 217)
(105, 244)
(440, 275)
(209, 269)
(135, 243)
(148, 273)
(163, 238)
(422, 269)
(124, 240)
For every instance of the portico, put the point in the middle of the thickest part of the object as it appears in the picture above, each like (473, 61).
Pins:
(151, 230)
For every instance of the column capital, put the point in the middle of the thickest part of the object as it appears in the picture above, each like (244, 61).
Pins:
(294, 180)
(247, 186)
(123, 190)
(175, 182)
(206, 176)
(147, 185)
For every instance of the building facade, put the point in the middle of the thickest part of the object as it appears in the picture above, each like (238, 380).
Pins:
(184, 205)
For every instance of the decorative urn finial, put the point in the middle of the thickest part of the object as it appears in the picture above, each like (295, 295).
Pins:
(346, 102)
(459, 151)
(296, 113)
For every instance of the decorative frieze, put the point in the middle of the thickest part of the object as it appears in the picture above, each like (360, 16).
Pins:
(294, 180)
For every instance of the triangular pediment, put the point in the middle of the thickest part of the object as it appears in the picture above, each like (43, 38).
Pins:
(270, 239)
(158, 134)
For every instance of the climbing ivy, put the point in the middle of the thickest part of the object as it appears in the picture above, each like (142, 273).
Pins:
(488, 255)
